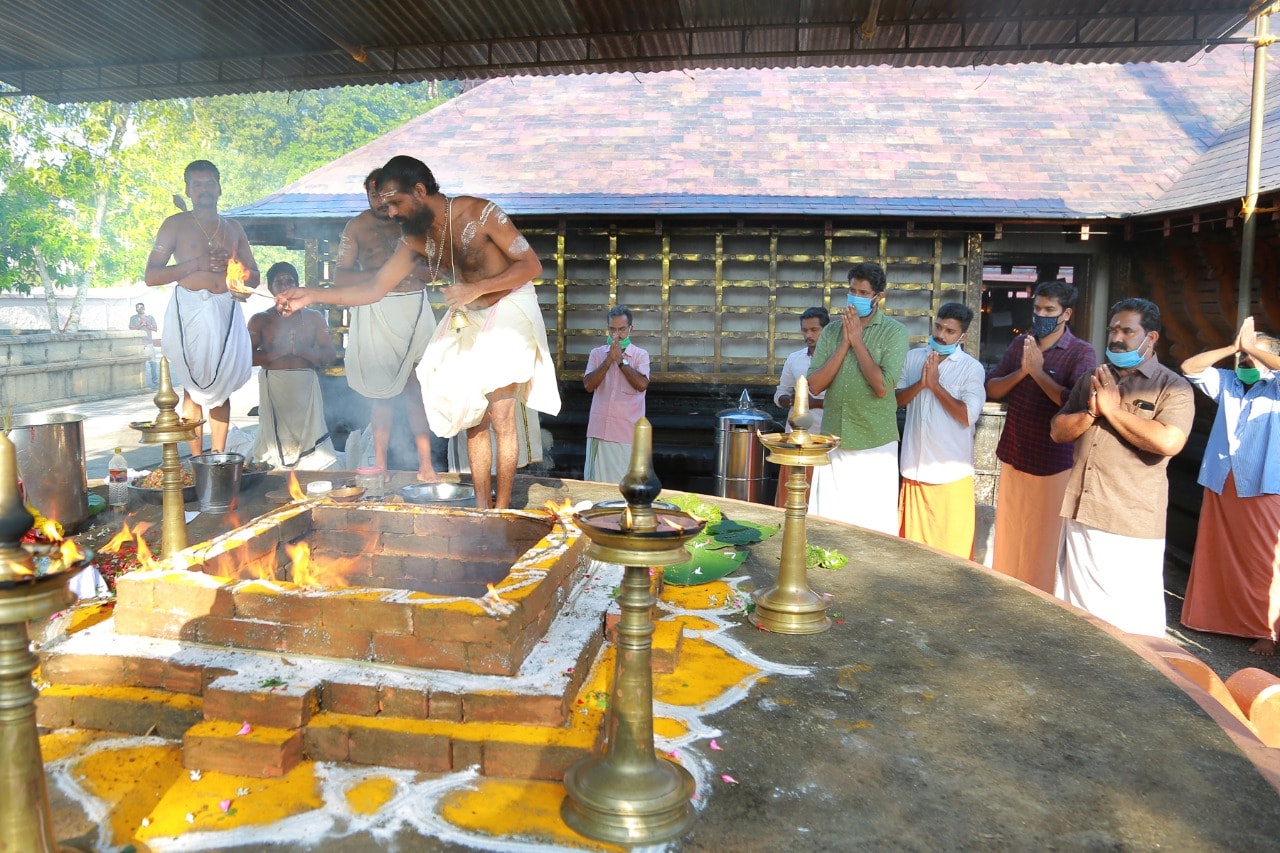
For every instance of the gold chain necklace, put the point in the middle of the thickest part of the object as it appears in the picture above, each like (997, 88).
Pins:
(216, 231)
(439, 259)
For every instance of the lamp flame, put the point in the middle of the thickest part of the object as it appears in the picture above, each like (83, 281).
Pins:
(50, 530)
(70, 553)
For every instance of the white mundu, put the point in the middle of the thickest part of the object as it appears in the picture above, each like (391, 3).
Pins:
(386, 341)
(207, 344)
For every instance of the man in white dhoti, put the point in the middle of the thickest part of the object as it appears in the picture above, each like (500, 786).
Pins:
(490, 350)
(205, 338)
(387, 337)
(857, 362)
(1127, 419)
(292, 431)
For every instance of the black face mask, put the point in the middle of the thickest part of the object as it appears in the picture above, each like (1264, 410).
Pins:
(1042, 327)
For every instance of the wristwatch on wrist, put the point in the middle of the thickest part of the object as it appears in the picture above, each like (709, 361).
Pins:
(626, 363)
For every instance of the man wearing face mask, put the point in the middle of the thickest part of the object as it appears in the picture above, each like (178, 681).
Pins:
(1127, 419)
(1033, 378)
(617, 378)
(942, 387)
(1235, 578)
(857, 363)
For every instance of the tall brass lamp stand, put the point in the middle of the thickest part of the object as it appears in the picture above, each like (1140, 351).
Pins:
(629, 795)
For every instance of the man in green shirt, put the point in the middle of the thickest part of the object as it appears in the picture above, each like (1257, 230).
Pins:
(857, 363)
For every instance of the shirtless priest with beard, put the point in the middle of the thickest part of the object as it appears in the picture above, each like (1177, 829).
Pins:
(476, 370)
(205, 338)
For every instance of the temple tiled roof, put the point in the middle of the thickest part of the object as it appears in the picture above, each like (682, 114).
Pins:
(1029, 142)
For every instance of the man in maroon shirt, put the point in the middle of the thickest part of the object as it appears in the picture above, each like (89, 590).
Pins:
(1034, 377)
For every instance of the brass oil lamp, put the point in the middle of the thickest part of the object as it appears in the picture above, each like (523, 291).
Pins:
(629, 795)
(790, 606)
(33, 584)
(168, 430)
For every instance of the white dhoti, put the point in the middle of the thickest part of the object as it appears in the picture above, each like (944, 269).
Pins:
(607, 461)
(1119, 579)
(207, 345)
(385, 342)
(859, 487)
(528, 443)
(292, 431)
(505, 344)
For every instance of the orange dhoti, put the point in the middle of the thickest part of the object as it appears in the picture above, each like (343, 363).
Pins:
(940, 515)
(1029, 525)
(1235, 574)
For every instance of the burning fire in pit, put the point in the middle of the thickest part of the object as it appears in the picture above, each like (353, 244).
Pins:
(311, 573)
(295, 490)
(125, 552)
(396, 584)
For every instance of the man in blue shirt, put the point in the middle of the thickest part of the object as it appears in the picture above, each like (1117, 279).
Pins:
(1235, 574)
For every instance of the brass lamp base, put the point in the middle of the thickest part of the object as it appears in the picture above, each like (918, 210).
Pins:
(790, 606)
(649, 807)
(790, 612)
(629, 795)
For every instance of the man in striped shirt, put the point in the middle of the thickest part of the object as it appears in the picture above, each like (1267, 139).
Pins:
(1033, 377)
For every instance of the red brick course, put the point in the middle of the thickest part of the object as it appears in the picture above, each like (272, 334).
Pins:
(264, 707)
(263, 753)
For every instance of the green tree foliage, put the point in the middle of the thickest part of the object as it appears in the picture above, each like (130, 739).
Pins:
(84, 187)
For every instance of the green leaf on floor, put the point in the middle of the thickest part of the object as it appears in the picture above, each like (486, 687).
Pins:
(694, 505)
(823, 558)
(707, 564)
(734, 533)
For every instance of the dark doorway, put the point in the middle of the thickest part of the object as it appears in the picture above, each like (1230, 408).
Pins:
(1007, 285)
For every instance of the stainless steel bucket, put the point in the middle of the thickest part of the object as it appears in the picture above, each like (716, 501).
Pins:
(217, 477)
(51, 464)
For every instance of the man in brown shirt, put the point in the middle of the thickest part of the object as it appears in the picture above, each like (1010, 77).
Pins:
(1127, 419)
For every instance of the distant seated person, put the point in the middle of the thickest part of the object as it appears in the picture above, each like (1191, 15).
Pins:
(289, 348)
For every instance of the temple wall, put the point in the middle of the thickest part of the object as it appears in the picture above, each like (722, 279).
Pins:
(43, 370)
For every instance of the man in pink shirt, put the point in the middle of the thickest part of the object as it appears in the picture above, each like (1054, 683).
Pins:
(617, 377)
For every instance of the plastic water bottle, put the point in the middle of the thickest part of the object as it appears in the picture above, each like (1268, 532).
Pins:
(118, 482)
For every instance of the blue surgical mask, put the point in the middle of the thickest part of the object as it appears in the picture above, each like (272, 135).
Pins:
(1249, 375)
(1042, 327)
(1125, 360)
(861, 304)
(942, 349)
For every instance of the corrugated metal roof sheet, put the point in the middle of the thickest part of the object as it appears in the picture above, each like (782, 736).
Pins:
(1029, 141)
(138, 49)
